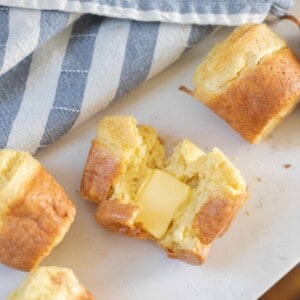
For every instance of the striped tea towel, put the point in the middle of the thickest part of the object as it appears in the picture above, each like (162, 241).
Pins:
(62, 61)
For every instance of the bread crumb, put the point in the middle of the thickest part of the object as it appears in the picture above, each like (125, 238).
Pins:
(248, 212)
(287, 166)
(258, 179)
(161, 140)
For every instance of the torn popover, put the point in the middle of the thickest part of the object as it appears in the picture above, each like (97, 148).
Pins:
(183, 202)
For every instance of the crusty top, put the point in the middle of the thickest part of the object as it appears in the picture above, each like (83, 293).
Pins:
(244, 48)
(251, 80)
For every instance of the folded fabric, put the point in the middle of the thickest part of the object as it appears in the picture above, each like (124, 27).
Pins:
(62, 61)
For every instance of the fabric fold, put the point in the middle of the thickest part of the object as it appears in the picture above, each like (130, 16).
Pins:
(174, 11)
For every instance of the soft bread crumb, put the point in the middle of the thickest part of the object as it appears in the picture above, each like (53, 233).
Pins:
(146, 155)
(220, 187)
(185, 161)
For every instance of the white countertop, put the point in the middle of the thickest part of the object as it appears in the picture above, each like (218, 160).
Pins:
(263, 242)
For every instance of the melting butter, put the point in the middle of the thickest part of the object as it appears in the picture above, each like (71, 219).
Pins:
(159, 197)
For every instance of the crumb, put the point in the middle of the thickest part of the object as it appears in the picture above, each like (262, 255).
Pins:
(161, 140)
(260, 203)
(248, 212)
(287, 166)
(258, 179)
(283, 258)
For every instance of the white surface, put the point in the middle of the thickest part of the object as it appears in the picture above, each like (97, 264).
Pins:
(262, 244)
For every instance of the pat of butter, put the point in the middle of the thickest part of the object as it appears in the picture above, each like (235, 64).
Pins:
(159, 197)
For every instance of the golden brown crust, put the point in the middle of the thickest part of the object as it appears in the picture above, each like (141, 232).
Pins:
(259, 95)
(244, 48)
(118, 216)
(36, 223)
(215, 217)
(101, 170)
(85, 296)
(191, 257)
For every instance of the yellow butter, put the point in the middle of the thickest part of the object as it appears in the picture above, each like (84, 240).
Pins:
(159, 197)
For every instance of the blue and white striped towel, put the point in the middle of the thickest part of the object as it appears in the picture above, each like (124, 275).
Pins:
(61, 61)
